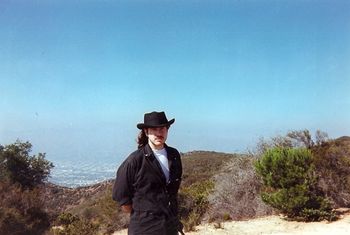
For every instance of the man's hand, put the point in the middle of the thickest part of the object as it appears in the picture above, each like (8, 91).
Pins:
(127, 208)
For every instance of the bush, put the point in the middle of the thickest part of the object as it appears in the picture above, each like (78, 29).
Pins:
(332, 161)
(290, 181)
(193, 203)
(330, 157)
(21, 211)
(101, 209)
(198, 169)
(20, 197)
(108, 213)
(66, 219)
(73, 225)
(236, 192)
(17, 166)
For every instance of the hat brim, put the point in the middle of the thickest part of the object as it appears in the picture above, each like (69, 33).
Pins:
(142, 125)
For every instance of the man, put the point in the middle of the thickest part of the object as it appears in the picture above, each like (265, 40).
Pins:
(148, 181)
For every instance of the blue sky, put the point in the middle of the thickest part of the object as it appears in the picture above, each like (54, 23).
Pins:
(77, 76)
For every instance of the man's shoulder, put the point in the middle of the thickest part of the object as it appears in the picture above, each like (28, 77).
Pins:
(135, 156)
(172, 150)
(133, 160)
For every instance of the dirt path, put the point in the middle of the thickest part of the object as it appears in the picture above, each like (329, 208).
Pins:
(273, 225)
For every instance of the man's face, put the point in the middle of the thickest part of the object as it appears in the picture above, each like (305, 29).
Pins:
(157, 136)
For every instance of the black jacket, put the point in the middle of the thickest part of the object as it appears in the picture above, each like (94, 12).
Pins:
(141, 182)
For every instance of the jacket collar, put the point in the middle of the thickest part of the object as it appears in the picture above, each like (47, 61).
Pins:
(148, 152)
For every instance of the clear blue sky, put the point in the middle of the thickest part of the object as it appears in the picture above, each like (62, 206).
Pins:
(77, 76)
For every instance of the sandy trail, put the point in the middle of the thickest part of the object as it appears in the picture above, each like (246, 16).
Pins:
(273, 225)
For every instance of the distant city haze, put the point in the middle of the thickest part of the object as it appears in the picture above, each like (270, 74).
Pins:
(77, 76)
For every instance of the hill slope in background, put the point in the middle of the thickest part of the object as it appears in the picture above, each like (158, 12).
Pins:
(202, 165)
(59, 198)
(95, 204)
(197, 165)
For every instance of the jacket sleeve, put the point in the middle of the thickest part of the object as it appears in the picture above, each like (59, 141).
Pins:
(123, 190)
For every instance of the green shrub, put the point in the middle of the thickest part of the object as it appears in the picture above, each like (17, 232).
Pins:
(101, 209)
(330, 157)
(193, 203)
(17, 166)
(226, 217)
(73, 225)
(290, 181)
(66, 219)
(21, 199)
(108, 213)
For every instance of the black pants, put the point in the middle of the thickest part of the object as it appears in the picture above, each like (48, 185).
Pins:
(148, 223)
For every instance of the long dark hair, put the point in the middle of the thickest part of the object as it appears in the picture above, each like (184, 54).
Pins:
(142, 139)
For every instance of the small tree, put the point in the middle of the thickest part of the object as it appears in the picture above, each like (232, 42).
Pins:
(290, 183)
(17, 166)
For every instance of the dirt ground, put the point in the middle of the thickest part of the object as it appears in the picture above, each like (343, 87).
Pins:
(273, 225)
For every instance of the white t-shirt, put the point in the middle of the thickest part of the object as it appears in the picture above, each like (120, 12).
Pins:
(162, 158)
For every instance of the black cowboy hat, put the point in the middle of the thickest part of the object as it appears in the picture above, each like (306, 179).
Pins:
(155, 119)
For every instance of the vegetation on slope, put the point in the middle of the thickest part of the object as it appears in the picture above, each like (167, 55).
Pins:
(199, 168)
(99, 209)
(215, 187)
(236, 192)
(290, 184)
(21, 174)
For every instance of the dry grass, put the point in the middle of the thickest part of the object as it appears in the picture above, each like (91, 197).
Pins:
(236, 193)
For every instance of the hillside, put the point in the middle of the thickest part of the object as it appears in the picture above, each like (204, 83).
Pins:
(197, 165)
(94, 203)
(59, 198)
(234, 197)
(202, 165)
